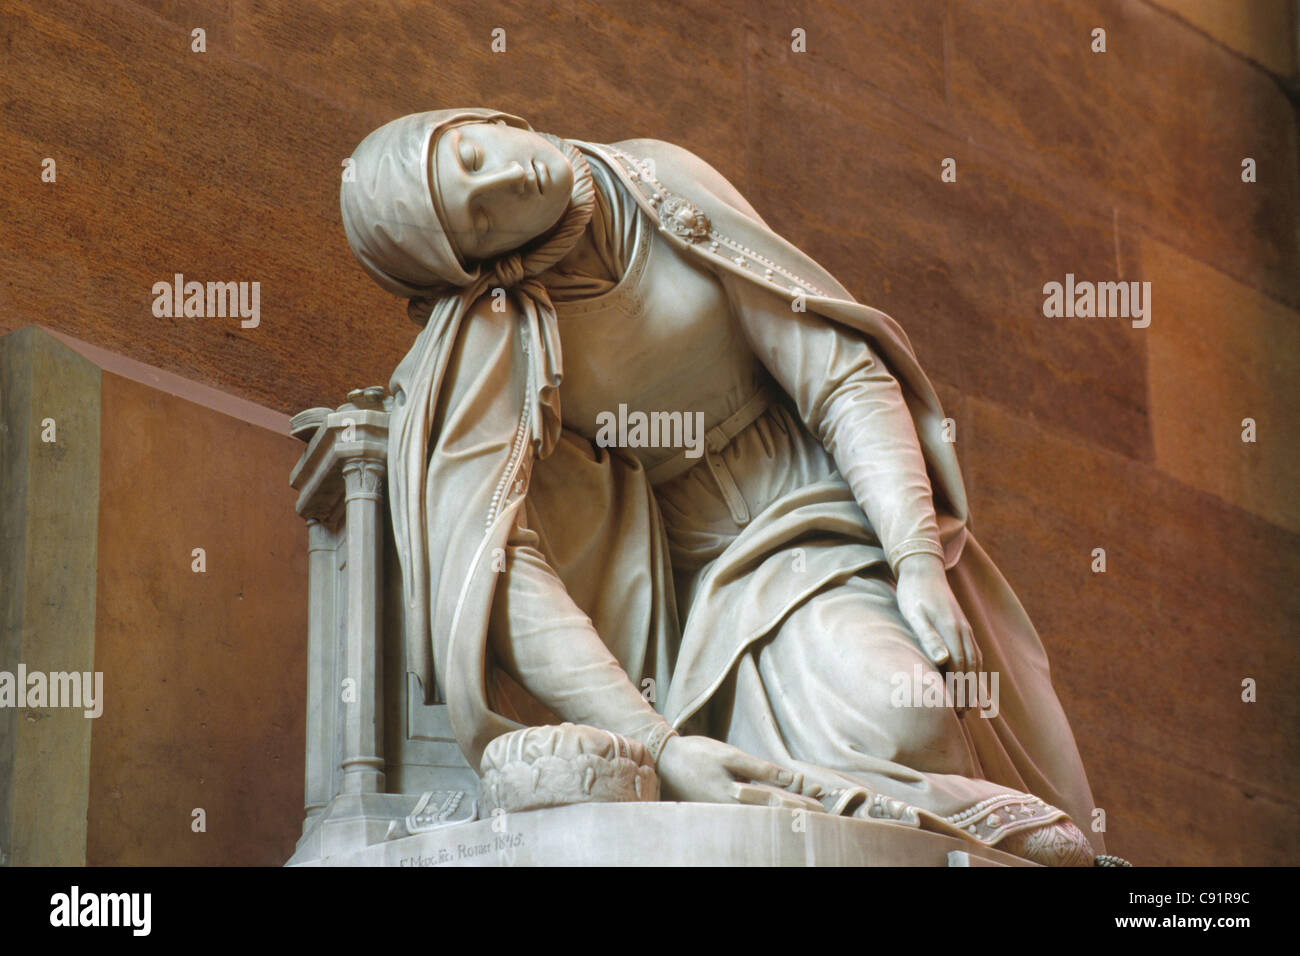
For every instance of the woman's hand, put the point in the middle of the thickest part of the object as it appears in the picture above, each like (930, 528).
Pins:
(704, 770)
(928, 605)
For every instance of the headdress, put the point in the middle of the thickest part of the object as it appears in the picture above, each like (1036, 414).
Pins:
(394, 227)
(396, 233)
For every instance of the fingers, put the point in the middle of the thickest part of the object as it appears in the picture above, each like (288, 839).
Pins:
(926, 635)
(936, 647)
(760, 771)
(952, 637)
(973, 656)
(764, 795)
(960, 640)
(972, 662)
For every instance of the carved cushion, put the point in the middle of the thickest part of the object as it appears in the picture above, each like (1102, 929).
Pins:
(561, 764)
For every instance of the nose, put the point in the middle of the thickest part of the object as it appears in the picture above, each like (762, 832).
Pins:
(512, 175)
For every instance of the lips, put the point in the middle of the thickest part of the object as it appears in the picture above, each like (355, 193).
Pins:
(541, 176)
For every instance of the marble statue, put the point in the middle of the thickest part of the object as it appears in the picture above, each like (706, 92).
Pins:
(658, 481)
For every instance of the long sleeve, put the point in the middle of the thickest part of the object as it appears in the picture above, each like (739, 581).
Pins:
(546, 643)
(851, 402)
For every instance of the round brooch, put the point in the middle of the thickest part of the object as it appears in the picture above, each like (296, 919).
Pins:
(683, 218)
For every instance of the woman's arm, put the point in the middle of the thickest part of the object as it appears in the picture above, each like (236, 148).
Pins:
(550, 646)
(853, 404)
(546, 643)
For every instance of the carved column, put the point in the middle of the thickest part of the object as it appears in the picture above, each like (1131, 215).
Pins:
(339, 480)
(320, 666)
(362, 693)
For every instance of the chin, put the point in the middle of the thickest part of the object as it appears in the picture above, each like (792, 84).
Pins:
(564, 181)
(555, 212)
(557, 164)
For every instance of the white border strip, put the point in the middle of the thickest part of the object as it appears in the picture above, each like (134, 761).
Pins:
(173, 384)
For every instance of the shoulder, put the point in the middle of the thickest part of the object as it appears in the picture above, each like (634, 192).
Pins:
(688, 164)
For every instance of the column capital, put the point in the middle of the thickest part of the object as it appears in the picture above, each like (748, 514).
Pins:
(363, 478)
(346, 453)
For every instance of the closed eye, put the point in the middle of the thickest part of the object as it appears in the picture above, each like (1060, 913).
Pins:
(470, 157)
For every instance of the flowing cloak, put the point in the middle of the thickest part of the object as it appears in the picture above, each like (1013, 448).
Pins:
(476, 444)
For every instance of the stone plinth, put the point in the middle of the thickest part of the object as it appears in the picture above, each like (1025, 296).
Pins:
(148, 546)
(670, 834)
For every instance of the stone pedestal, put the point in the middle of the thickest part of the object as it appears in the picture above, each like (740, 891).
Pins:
(149, 554)
(669, 834)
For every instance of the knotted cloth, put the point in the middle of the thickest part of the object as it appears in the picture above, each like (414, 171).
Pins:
(394, 228)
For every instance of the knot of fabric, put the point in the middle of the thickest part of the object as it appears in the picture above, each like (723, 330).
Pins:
(509, 270)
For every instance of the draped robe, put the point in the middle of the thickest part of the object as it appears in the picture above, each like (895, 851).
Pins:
(478, 451)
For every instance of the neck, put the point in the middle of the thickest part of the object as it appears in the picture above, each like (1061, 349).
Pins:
(585, 260)
(573, 224)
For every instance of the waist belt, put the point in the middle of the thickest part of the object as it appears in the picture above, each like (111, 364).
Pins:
(715, 440)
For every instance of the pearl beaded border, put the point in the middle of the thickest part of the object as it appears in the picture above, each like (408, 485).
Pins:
(638, 171)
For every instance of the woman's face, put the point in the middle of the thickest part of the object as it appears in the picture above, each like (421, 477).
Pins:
(499, 187)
